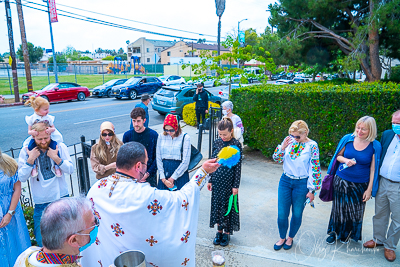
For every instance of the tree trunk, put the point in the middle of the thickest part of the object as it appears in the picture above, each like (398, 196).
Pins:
(373, 40)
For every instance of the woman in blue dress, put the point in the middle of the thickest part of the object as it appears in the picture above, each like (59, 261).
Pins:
(14, 235)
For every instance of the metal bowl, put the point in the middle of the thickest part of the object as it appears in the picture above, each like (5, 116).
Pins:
(130, 258)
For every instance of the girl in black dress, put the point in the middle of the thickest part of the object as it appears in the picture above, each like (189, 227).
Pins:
(224, 183)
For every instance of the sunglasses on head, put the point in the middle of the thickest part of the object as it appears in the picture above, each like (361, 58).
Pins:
(296, 137)
(109, 134)
(169, 131)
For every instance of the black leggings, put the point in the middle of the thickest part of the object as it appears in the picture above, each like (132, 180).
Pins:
(202, 113)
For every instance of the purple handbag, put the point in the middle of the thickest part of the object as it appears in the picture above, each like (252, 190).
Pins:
(326, 193)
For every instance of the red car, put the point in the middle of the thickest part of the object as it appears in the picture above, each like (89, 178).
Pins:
(56, 92)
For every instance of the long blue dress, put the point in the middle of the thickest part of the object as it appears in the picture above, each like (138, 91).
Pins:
(14, 238)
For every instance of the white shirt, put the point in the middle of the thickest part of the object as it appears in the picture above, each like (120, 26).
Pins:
(390, 168)
(170, 148)
(135, 216)
(305, 163)
(45, 191)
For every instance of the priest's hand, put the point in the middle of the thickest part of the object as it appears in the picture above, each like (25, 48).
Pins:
(211, 165)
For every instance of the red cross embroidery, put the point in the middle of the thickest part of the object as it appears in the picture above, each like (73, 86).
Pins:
(152, 241)
(154, 207)
(185, 262)
(185, 204)
(185, 237)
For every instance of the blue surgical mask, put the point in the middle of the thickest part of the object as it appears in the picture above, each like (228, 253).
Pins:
(93, 235)
(396, 128)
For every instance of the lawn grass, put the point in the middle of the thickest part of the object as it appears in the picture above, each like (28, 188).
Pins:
(90, 81)
(39, 82)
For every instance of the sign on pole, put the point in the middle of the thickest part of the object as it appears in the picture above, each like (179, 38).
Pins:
(241, 37)
(53, 11)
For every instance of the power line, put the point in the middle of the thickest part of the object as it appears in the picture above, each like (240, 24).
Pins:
(107, 23)
(145, 23)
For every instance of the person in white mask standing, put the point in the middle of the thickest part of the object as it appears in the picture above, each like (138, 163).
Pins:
(238, 128)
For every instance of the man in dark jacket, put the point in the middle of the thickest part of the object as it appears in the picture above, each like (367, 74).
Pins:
(146, 137)
(201, 99)
(386, 201)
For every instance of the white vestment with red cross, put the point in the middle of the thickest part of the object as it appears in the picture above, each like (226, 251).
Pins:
(135, 216)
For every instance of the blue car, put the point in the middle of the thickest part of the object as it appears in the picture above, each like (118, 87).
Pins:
(137, 86)
(106, 89)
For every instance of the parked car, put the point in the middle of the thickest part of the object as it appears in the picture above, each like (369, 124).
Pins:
(301, 80)
(56, 92)
(106, 89)
(208, 82)
(137, 86)
(281, 82)
(172, 99)
(172, 80)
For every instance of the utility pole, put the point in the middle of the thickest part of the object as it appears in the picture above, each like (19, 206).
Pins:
(12, 51)
(24, 46)
(52, 44)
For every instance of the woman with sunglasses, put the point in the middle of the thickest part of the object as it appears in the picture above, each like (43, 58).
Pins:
(104, 153)
(300, 179)
(173, 155)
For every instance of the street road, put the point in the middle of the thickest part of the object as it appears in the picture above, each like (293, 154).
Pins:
(74, 119)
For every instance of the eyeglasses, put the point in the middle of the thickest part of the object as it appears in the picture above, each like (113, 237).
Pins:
(96, 223)
(296, 137)
(109, 134)
(169, 131)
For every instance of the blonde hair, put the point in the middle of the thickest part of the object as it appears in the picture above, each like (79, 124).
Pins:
(40, 126)
(100, 150)
(299, 126)
(37, 102)
(371, 124)
(8, 165)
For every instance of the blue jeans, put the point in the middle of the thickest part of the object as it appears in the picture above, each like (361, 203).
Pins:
(291, 193)
(37, 215)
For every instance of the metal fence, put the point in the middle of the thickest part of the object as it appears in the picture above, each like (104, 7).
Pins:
(215, 116)
(79, 181)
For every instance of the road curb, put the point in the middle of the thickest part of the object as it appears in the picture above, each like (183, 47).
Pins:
(11, 104)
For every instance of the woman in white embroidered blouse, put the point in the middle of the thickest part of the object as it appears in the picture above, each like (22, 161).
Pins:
(301, 177)
(173, 155)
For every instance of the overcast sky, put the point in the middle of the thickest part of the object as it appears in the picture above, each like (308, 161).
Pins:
(195, 16)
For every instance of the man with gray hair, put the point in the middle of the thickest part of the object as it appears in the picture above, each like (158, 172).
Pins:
(68, 227)
(387, 203)
(46, 187)
(135, 216)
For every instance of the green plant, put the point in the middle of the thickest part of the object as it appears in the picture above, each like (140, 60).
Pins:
(331, 111)
(111, 58)
(189, 112)
(28, 214)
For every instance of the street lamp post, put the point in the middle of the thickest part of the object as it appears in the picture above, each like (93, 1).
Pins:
(239, 39)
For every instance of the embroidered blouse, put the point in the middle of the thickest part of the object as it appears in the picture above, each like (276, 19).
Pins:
(170, 148)
(301, 160)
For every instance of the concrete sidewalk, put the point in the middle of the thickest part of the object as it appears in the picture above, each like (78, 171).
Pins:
(253, 244)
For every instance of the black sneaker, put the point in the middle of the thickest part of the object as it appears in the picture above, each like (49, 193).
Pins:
(225, 240)
(217, 239)
(331, 239)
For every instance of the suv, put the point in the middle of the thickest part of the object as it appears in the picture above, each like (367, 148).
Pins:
(172, 99)
(136, 86)
(106, 89)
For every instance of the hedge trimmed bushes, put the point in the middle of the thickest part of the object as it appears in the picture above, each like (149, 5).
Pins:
(330, 111)
(189, 113)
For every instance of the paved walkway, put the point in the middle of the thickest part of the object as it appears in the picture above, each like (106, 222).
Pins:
(253, 244)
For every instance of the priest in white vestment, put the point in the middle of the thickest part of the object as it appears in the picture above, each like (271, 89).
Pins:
(135, 216)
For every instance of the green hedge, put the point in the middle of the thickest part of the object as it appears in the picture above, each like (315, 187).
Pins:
(330, 111)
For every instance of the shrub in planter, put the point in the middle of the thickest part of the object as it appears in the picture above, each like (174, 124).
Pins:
(331, 111)
(28, 214)
(189, 113)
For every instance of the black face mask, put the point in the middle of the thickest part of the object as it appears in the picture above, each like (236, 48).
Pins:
(142, 174)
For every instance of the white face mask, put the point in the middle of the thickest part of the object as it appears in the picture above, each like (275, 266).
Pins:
(224, 112)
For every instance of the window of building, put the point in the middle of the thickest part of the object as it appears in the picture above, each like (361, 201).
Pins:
(180, 50)
(147, 50)
(168, 54)
(148, 59)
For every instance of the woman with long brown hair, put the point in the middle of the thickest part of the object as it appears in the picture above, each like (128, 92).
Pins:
(104, 153)
(14, 234)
